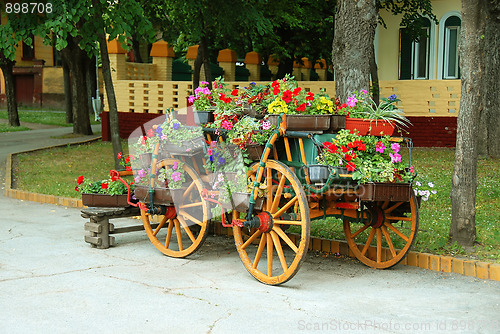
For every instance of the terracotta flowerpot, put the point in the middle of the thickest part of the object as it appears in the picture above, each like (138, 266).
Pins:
(103, 200)
(303, 122)
(373, 127)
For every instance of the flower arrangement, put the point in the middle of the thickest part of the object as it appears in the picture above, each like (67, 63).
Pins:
(220, 99)
(202, 97)
(425, 190)
(255, 96)
(249, 130)
(223, 158)
(361, 105)
(111, 186)
(369, 158)
(173, 177)
(288, 98)
(174, 132)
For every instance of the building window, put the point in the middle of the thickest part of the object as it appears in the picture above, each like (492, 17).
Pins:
(451, 37)
(29, 51)
(414, 56)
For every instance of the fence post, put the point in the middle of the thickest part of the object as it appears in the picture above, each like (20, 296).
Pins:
(272, 63)
(306, 69)
(163, 55)
(253, 60)
(227, 61)
(117, 60)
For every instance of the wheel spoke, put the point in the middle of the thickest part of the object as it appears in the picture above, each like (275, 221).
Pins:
(285, 238)
(186, 228)
(160, 225)
(191, 218)
(191, 205)
(258, 255)
(392, 208)
(188, 190)
(404, 218)
(251, 239)
(169, 232)
(269, 255)
(279, 250)
(388, 239)
(179, 235)
(277, 197)
(395, 230)
(269, 179)
(285, 207)
(354, 235)
(379, 245)
(368, 242)
(288, 222)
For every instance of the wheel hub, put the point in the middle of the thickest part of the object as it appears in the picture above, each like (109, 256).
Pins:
(377, 216)
(263, 221)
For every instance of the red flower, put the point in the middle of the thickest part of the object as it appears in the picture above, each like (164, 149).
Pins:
(348, 157)
(287, 96)
(296, 91)
(114, 178)
(361, 146)
(302, 107)
(151, 133)
(104, 185)
(350, 167)
(276, 90)
(275, 84)
(310, 96)
(330, 147)
(144, 140)
(344, 149)
(128, 168)
(119, 155)
(127, 160)
(79, 180)
(76, 188)
(234, 92)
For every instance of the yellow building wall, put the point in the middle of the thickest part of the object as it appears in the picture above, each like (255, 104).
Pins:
(42, 51)
(387, 40)
(53, 80)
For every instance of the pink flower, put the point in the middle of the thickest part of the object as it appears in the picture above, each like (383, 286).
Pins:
(191, 99)
(213, 144)
(412, 170)
(395, 147)
(351, 101)
(209, 151)
(266, 125)
(176, 176)
(380, 147)
(174, 166)
(396, 157)
(227, 125)
(364, 91)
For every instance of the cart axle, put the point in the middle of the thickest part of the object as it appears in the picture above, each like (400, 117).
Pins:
(263, 221)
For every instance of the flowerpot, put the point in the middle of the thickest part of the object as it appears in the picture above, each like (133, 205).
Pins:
(337, 122)
(249, 110)
(395, 192)
(165, 196)
(241, 202)
(103, 200)
(227, 178)
(187, 147)
(303, 122)
(255, 151)
(318, 173)
(373, 127)
(203, 117)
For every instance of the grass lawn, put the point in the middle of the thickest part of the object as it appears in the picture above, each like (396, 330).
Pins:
(45, 116)
(56, 171)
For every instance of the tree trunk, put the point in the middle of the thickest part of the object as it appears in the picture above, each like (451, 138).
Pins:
(355, 24)
(491, 114)
(67, 93)
(10, 90)
(374, 76)
(136, 48)
(285, 67)
(206, 60)
(464, 180)
(74, 56)
(90, 78)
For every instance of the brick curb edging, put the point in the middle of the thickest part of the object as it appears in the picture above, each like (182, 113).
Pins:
(446, 264)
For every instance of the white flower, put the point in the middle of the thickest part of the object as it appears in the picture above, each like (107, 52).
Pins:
(418, 184)
(431, 184)
(434, 192)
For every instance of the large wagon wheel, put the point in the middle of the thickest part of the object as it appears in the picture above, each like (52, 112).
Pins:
(270, 254)
(387, 234)
(183, 234)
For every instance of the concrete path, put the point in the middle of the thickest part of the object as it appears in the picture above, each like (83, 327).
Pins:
(51, 281)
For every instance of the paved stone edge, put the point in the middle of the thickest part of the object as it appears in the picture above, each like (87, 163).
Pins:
(440, 263)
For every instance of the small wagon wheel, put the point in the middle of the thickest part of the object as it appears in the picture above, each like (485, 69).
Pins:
(270, 254)
(183, 234)
(387, 234)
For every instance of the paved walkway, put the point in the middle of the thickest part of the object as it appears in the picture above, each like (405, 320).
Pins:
(51, 281)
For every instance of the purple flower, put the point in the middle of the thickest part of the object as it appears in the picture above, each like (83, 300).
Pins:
(159, 130)
(176, 126)
(392, 98)
(221, 161)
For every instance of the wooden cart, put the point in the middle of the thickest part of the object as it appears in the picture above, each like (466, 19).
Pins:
(380, 221)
